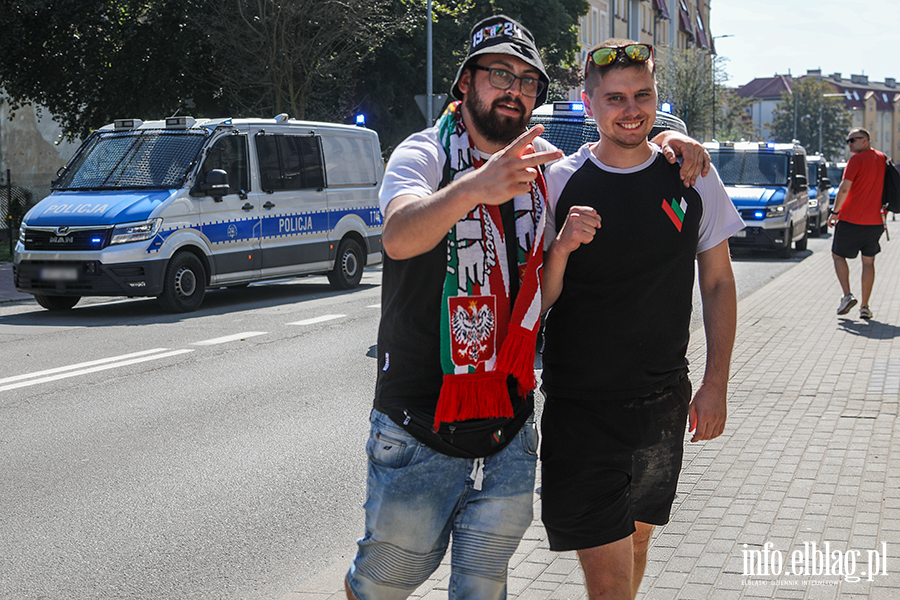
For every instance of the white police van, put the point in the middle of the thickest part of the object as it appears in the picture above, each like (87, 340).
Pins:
(819, 194)
(767, 184)
(171, 208)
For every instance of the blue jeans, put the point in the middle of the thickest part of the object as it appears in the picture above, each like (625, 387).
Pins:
(417, 498)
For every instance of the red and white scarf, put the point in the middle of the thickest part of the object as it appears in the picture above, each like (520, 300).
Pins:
(483, 338)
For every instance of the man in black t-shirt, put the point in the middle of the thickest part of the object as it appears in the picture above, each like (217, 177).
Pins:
(619, 275)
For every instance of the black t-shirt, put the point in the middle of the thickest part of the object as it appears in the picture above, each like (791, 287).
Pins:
(621, 326)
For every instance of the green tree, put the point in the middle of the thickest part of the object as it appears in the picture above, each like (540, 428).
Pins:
(693, 81)
(395, 73)
(734, 122)
(91, 61)
(296, 57)
(818, 121)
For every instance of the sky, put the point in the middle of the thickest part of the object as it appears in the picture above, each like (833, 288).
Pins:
(791, 36)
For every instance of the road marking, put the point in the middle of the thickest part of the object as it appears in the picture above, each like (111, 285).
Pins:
(81, 365)
(374, 305)
(139, 357)
(229, 338)
(315, 320)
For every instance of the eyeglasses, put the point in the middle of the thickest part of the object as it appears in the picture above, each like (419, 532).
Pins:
(603, 57)
(503, 80)
(854, 139)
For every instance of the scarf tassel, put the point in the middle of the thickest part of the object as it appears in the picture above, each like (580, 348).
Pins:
(473, 396)
(517, 358)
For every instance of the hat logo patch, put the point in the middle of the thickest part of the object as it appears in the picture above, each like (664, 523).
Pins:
(491, 32)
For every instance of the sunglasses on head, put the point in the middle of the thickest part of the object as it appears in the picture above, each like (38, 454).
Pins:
(854, 139)
(603, 57)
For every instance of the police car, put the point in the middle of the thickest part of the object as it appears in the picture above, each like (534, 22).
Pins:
(171, 208)
(767, 184)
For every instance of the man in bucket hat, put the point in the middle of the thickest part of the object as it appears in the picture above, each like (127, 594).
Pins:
(453, 446)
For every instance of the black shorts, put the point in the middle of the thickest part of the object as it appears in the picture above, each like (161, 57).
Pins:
(605, 465)
(850, 239)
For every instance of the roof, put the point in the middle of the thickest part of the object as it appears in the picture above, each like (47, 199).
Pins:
(766, 88)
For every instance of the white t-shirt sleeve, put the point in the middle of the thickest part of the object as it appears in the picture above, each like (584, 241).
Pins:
(414, 168)
(720, 218)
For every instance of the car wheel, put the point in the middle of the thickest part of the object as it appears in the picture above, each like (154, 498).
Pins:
(348, 266)
(57, 302)
(184, 285)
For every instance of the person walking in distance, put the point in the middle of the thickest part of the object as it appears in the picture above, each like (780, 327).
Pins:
(619, 274)
(857, 219)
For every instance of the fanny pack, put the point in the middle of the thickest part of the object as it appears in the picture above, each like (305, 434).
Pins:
(475, 438)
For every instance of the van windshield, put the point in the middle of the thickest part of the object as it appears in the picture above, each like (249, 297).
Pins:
(835, 174)
(751, 168)
(133, 160)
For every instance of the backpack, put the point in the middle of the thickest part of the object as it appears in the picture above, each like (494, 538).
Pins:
(890, 198)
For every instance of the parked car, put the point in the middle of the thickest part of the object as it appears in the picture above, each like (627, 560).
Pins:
(819, 194)
(767, 183)
(170, 208)
(568, 127)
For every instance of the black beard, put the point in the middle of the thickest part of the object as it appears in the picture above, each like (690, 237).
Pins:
(498, 129)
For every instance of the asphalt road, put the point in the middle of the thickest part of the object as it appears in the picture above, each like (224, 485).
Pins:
(218, 454)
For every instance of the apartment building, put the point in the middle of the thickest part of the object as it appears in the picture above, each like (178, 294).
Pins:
(873, 105)
(662, 23)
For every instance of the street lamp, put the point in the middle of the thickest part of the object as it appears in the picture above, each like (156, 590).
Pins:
(713, 71)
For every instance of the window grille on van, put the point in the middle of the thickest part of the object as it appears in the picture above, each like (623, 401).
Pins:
(565, 133)
(146, 158)
(751, 168)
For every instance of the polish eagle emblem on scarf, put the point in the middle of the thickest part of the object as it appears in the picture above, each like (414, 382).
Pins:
(473, 326)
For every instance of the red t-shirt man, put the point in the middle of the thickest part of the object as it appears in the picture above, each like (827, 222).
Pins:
(857, 220)
(865, 170)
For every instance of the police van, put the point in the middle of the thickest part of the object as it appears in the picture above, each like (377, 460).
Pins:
(171, 208)
(767, 184)
(819, 194)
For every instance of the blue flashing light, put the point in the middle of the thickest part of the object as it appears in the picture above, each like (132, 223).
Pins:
(759, 215)
(666, 107)
(770, 145)
(96, 240)
(576, 106)
(361, 120)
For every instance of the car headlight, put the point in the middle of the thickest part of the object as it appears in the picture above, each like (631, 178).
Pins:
(22, 232)
(135, 232)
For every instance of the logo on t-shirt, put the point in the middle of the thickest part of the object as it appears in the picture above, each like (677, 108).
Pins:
(676, 211)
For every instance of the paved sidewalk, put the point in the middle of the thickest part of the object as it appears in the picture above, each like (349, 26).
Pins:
(811, 455)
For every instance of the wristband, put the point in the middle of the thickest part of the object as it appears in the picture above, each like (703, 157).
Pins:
(831, 212)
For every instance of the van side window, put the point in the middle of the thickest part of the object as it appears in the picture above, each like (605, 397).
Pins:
(290, 162)
(230, 155)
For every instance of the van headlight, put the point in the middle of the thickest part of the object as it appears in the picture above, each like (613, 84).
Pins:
(775, 211)
(135, 232)
(22, 232)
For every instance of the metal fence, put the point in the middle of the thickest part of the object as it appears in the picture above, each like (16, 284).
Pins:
(15, 200)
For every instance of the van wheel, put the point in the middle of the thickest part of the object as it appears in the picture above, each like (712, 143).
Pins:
(348, 266)
(57, 302)
(184, 285)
